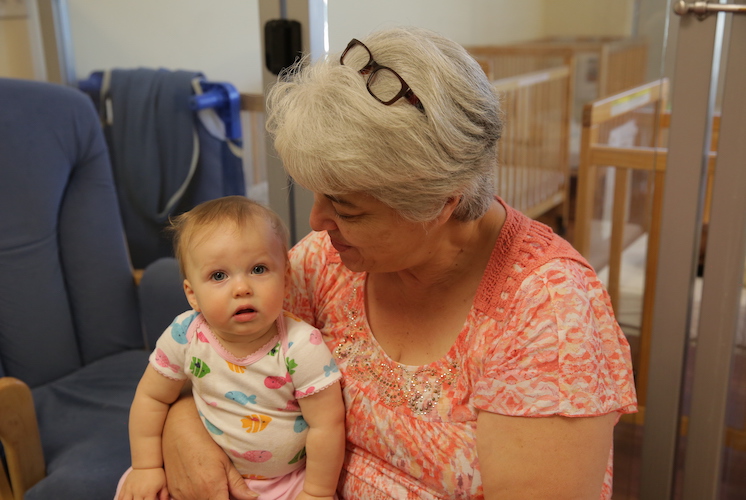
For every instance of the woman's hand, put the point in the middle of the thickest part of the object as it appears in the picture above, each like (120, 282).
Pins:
(196, 467)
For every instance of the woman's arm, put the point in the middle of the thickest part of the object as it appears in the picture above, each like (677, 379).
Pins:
(324, 413)
(543, 457)
(196, 467)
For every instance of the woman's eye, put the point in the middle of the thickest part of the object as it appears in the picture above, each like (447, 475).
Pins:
(218, 276)
(259, 269)
(343, 216)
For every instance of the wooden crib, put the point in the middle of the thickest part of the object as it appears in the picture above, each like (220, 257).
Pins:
(608, 159)
(597, 66)
(628, 170)
(532, 173)
(601, 66)
(604, 155)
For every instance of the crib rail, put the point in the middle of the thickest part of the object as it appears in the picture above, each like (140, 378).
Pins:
(532, 173)
(646, 107)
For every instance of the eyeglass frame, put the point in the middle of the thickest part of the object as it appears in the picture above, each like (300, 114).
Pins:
(371, 67)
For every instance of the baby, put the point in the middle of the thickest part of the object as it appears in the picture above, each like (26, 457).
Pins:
(264, 382)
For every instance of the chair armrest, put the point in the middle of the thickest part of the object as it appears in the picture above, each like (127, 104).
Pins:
(161, 296)
(5, 491)
(19, 434)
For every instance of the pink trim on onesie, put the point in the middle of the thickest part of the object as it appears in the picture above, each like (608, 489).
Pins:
(208, 335)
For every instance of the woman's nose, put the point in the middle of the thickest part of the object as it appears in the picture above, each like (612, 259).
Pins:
(322, 214)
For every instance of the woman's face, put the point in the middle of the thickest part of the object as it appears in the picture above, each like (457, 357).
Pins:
(371, 236)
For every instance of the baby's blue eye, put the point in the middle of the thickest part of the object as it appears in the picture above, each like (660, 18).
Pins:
(260, 269)
(218, 276)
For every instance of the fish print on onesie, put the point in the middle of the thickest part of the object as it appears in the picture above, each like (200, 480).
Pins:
(250, 405)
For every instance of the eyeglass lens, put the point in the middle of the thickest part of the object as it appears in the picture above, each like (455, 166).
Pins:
(356, 57)
(383, 83)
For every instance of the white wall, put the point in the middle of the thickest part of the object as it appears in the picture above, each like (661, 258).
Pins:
(219, 37)
(222, 37)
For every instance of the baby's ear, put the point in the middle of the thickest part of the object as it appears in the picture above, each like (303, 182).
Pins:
(190, 296)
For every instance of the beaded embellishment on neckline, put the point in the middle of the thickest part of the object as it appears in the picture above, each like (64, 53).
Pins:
(418, 388)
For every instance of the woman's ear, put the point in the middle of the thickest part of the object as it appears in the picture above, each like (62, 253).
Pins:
(448, 208)
(190, 296)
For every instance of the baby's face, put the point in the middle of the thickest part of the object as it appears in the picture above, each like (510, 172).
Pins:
(235, 276)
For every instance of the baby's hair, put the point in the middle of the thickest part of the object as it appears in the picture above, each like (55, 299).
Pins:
(236, 209)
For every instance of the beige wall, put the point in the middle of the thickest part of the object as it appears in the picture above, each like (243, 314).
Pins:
(469, 22)
(588, 17)
(15, 49)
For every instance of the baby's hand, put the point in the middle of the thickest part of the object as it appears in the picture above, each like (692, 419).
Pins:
(145, 484)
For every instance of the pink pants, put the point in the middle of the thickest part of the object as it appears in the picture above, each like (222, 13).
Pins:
(279, 488)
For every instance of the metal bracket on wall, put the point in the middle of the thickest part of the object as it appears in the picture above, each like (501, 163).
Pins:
(704, 9)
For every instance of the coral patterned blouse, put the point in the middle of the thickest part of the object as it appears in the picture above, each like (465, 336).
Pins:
(540, 340)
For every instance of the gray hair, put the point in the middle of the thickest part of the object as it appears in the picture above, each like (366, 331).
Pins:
(335, 138)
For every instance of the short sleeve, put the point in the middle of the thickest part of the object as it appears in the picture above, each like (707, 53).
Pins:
(307, 259)
(308, 359)
(315, 267)
(169, 355)
(565, 355)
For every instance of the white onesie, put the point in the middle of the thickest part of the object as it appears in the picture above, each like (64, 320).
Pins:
(250, 405)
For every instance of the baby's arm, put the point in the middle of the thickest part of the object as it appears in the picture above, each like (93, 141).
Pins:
(155, 393)
(324, 413)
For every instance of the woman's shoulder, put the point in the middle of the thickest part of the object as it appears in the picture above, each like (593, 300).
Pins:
(525, 242)
(314, 246)
(315, 264)
(525, 248)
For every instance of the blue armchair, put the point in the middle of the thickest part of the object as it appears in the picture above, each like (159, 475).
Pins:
(73, 329)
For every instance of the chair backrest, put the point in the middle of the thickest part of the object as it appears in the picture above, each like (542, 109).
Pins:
(67, 296)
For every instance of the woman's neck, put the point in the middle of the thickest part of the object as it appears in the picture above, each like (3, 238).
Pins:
(461, 251)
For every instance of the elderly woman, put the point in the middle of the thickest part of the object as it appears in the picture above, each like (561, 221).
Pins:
(479, 352)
